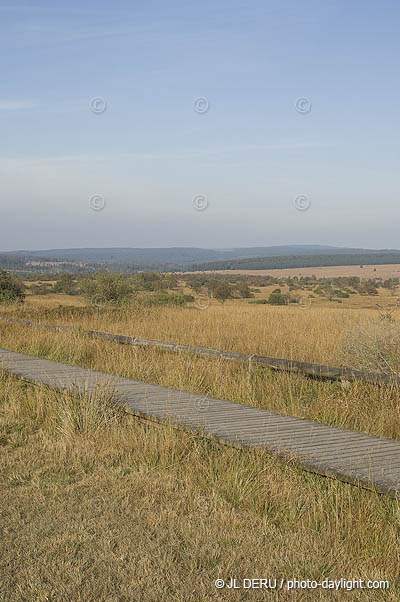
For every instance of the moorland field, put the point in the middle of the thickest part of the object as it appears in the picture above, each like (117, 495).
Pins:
(97, 505)
(391, 270)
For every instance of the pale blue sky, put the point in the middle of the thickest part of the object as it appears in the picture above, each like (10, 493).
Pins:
(149, 153)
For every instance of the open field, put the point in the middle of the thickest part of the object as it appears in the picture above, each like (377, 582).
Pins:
(53, 300)
(97, 506)
(367, 271)
(386, 299)
(314, 335)
(311, 332)
(109, 508)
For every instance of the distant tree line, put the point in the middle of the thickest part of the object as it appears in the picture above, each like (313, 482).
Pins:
(299, 261)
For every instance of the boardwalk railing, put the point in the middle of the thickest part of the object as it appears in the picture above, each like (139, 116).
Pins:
(316, 371)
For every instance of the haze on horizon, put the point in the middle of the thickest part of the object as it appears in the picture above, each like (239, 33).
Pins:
(154, 151)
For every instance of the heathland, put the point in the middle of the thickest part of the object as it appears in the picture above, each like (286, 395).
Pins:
(97, 505)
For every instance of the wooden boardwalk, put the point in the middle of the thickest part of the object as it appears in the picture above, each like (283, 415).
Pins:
(351, 456)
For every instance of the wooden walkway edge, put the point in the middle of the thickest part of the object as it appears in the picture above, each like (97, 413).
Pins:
(317, 371)
(350, 456)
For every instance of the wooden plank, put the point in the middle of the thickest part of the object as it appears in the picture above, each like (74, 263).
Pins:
(354, 454)
(372, 477)
(350, 439)
(319, 451)
(342, 447)
(351, 456)
(284, 427)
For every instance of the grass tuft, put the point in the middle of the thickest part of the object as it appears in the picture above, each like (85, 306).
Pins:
(86, 414)
(374, 345)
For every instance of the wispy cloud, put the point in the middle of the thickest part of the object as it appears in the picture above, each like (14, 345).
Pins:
(32, 161)
(17, 105)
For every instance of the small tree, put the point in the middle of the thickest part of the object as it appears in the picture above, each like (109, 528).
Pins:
(11, 289)
(222, 292)
(244, 291)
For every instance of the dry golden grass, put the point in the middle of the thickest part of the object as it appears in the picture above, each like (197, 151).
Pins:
(53, 300)
(384, 298)
(111, 509)
(98, 506)
(389, 270)
(288, 333)
(313, 334)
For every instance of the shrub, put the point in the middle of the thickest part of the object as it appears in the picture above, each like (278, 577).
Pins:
(341, 294)
(243, 291)
(40, 289)
(11, 289)
(156, 299)
(66, 284)
(276, 298)
(368, 288)
(103, 288)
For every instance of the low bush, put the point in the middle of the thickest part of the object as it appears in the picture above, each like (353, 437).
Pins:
(277, 298)
(40, 289)
(157, 299)
(11, 289)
